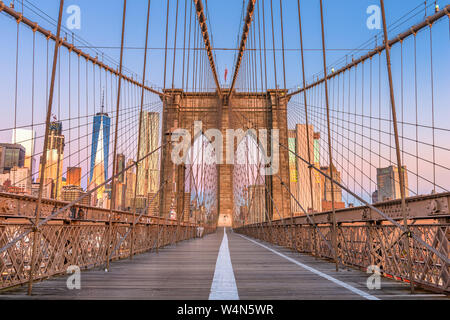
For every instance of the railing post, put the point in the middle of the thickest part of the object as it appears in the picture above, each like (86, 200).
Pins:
(397, 147)
(44, 153)
(157, 235)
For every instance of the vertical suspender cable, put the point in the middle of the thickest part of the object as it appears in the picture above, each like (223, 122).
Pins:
(116, 131)
(184, 45)
(432, 108)
(141, 112)
(334, 233)
(32, 102)
(44, 154)
(305, 102)
(175, 47)
(165, 48)
(397, 144)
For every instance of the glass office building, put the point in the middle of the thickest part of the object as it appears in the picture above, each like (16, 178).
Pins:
(98, 173)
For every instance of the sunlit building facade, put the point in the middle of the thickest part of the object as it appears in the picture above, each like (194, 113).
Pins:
(26, 138)
(73, 176)
(19, 178)
(299, 171)
(71, 193)
(98, 173)
(11, 155)
(120, 167)
(130, 177)
(327, 190)
(388, 183)
(55, 157)
(148, 175)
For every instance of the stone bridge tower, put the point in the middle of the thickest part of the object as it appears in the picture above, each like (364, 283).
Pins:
(266, 110)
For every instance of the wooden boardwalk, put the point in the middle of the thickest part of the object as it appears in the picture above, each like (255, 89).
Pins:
(186, 272)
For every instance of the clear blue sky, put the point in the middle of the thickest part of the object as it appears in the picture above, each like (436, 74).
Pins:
(345, 28)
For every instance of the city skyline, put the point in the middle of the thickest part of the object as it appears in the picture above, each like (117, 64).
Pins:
(104, 85)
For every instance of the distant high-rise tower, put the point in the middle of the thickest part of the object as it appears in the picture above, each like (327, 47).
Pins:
(11, 155)
(26, 138)
(257, 203)
(55, 156)
(120, 186)
(316, 175)
(326, 190)
(98, 173)
(148, 175)
(121, 167)
(19, 180)
(301, 188)
(130, 176)
(388, 183)
(293, 173)
(73, 176)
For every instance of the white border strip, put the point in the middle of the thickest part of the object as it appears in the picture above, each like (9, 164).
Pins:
(224, 284)
(319, 273)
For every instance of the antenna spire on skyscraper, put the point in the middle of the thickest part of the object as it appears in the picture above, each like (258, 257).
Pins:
(103, 100)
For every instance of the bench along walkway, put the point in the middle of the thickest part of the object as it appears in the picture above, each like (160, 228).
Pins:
(221, 266)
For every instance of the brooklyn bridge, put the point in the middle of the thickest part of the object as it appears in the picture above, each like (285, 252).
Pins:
(135, 165)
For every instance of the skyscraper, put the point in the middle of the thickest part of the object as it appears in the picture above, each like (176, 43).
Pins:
(46, 192)
(130, 176)
(302, 190)
(317, 149)
(11, 155)
(19, 179)
(98, 173)
(292, 159)
(71, 193)
(388, 183)
(153, 205)
(257, 203)
(119, 198)
(148, 175)
(26, 138)
(121, 167)
(293, 172)
(74, 176)
(55, 156)
(326, 190)
(316, 173)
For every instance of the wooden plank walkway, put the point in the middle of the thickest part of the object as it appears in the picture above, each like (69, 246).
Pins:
(185, 272)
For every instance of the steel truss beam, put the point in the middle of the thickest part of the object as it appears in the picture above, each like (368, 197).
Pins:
(435, 206)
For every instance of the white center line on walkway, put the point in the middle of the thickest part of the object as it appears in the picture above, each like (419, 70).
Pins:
(319, 273)
(413, 296)
(224, 284)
